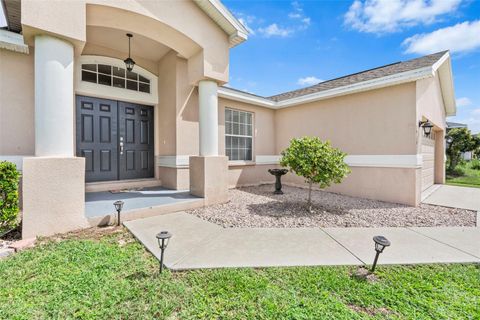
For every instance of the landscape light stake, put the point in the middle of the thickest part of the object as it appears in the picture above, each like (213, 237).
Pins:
(163, 239)
(118, 206)
(380, 243)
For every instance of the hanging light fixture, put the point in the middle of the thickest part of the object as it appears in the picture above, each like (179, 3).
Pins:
(129, 63)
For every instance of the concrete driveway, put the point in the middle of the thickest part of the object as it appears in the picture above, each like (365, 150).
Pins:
(454, 197)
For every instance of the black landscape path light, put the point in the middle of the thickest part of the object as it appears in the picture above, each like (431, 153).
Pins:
(380, 244)
(118, 206)
(427, 127)
(278, 173)
(163, 239)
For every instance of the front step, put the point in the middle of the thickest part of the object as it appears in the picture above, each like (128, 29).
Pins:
(121, 184)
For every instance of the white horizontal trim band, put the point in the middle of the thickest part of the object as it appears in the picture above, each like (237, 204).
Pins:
(17, 160)
(173, 161)
(378, 161)
(12, 41)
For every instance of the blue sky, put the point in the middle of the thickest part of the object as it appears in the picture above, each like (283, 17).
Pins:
(298, 43)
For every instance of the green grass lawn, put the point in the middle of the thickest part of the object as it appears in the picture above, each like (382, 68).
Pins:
(111, 276)
(470, 179)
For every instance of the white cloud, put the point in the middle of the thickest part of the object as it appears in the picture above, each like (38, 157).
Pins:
(476, 112)
(309, 81)
(463, 102)
(384, 16)
(245, 24)
(298, 14)
(462, 37)
(274, 30)
(257, 26)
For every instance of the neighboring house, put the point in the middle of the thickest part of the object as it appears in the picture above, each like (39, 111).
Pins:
(73, 118)
(453, 125)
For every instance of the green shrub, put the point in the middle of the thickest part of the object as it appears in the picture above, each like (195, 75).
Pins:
(475, 164)
(9, 179)
(458, 171)
(317, 161)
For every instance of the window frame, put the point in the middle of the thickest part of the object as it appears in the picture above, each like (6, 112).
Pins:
(252, 136)
(112, 92)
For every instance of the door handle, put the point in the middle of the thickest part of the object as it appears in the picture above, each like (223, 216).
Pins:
(121, 145)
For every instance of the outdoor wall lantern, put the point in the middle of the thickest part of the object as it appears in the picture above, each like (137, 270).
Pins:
(427, 127)
(118, 206)
(449, 139)
(163, 239)
(380, 243)
(129, 63)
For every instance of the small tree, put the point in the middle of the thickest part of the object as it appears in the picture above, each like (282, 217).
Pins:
(317, 161)
(461, 141)
(9, 177)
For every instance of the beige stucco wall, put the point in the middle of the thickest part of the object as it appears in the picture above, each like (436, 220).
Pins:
(17, 131)
(376, 122)
(430, 106)
(53, 196)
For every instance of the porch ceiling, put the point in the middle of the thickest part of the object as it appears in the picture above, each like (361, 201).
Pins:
(116, 40)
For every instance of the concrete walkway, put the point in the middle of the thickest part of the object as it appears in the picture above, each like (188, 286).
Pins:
(200, 244)
(454, 197)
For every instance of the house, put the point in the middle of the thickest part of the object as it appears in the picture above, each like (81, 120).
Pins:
(74, 117)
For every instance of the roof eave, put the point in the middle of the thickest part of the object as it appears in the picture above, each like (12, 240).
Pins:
(237, 33)
(443, 67)
(399, 78)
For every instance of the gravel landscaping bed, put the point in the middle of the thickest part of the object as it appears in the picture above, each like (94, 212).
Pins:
(259, 207)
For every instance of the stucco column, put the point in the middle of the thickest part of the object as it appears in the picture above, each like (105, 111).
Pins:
(54, 111)
(54, 180)
(208, 117)
(209, 171)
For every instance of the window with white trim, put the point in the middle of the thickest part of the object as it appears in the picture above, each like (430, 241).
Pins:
(238, 135)
(114, 77)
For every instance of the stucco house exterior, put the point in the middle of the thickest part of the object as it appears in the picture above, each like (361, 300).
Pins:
(74, 119)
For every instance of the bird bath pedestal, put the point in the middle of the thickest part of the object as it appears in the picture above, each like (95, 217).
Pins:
(278, 173)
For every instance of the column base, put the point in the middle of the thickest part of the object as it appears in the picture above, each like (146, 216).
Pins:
(209, 178)
(53, 196)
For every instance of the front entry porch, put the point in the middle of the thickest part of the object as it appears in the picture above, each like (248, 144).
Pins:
(138, 203)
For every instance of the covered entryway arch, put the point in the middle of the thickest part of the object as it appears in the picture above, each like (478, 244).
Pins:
(197, 36)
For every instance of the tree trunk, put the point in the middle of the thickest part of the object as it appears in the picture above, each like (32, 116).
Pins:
(309, 202)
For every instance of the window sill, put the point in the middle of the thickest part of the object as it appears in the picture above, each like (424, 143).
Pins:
(241, 163)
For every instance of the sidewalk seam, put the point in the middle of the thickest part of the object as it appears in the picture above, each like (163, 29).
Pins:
(444, 243)
(344, 247)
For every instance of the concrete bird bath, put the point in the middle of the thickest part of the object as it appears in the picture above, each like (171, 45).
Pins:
(278, 173)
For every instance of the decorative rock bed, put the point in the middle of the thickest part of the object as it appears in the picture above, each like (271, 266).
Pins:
(259, 207)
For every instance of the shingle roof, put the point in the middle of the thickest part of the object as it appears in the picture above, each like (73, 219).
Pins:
(366, 75)
(456, 125)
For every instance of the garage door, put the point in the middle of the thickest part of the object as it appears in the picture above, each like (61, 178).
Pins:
(428, 165)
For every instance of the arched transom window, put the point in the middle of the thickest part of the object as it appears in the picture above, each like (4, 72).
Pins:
(114, 77)
(107, 77)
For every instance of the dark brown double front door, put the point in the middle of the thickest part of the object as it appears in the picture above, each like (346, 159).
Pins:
(115, 138)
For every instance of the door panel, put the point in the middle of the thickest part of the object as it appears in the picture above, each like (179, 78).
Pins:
(428, 164)
(97, 136)
(136, 133)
